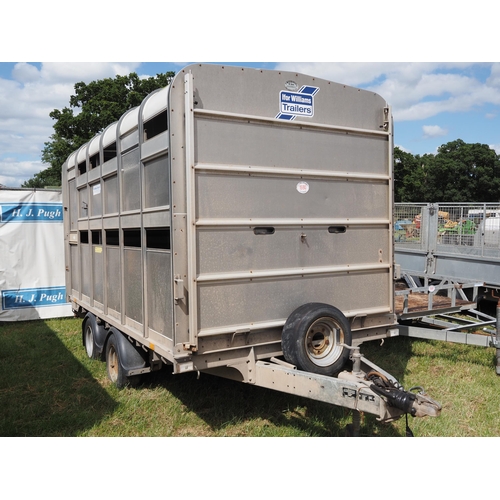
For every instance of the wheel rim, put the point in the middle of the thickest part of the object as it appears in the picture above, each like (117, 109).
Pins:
(89, 341)
(323, 341)
(113, 364)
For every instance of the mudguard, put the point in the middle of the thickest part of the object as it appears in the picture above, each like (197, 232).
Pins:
(131, 357)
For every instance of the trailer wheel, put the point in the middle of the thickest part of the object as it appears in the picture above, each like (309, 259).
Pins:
(312, 338)
(114, 367)
(89, 336)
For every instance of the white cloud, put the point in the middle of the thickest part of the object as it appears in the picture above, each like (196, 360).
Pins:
(494, 78)
(434, 93)
(13, 173)
(434, 131)
(25, 104)
(354, 74)
(415, 91)
(24, 72)
(81, 71)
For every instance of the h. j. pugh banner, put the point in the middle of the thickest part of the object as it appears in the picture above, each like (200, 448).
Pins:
(32, 281)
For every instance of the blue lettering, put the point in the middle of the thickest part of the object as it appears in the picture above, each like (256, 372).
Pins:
(296, 104)
(30, 212)
(32, 297)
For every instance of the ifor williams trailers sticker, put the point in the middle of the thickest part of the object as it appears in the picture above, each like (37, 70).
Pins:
(300, 103)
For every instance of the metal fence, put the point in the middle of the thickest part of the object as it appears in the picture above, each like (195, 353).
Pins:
(408, 223)
(452, 228)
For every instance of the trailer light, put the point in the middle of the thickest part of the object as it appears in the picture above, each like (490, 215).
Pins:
(183, 367)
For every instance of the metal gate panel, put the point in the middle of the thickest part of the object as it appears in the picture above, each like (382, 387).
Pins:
(237, 142)
(236, 303)
(246, 197)
(132, 268)
(113, 279)
(98, 275)
(158, 265)
(240, 249)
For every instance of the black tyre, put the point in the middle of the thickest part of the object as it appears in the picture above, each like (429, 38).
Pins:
(312, 339)
(114, 367)
(89, 336)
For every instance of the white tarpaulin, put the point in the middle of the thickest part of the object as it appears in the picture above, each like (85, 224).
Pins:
(32, 281)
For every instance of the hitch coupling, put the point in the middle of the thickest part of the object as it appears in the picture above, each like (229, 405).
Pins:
(416, 404)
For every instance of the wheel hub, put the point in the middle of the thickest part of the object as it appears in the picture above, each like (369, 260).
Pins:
(113, 365)
(319, 342)
(89, 340)
(323, 341)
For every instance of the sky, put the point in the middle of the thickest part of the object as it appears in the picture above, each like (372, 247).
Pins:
(432, 103)
(380, 49)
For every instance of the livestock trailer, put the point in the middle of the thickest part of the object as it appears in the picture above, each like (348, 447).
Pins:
(238, 222)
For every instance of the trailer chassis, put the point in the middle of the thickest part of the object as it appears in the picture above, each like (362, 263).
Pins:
(367, 388)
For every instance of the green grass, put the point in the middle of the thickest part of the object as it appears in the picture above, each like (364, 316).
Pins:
(48, 387)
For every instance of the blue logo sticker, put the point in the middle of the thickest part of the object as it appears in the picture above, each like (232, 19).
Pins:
(33, 297)
(300, 103)
(31, 212)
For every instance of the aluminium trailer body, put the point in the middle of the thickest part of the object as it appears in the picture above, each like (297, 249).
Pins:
(235, 216)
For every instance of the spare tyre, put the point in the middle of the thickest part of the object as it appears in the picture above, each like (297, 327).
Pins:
(314, 339)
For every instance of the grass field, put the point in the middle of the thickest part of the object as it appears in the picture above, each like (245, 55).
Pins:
(48, 387)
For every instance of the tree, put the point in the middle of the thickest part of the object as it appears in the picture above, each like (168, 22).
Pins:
(468, 172)
(458, 172)
(98, 104)
(411, 176)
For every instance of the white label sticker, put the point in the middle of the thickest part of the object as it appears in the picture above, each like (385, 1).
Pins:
(96, 189)
(302, 187)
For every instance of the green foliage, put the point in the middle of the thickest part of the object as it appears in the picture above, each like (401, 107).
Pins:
(409, 176)
(91, 109)
(458, 172)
